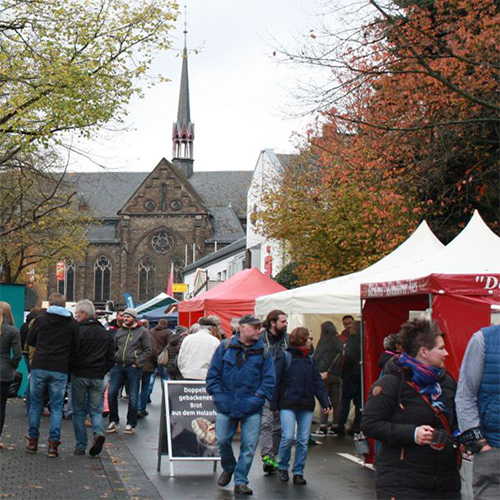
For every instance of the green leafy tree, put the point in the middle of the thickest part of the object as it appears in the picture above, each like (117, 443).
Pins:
(72, 64)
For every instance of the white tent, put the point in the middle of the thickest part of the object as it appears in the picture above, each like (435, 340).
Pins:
(312, 304)
(475, 250)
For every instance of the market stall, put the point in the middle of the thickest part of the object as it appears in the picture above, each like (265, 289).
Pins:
(461, 285)
(231, 299)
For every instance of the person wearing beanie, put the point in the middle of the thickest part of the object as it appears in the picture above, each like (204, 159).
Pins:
(132, 349)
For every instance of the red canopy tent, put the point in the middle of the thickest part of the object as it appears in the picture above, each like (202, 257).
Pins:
(461, 305)
(233, 298)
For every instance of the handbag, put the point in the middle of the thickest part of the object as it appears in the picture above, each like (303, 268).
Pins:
(163, 357)
(331, 366)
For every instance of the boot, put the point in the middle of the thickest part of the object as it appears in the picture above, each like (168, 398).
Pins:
(32, 446)
(53, 449)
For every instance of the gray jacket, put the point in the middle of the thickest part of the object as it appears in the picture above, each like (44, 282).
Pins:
(9, 339)
(133, 346)
(275, 345)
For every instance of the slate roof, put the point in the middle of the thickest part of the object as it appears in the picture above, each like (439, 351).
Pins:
(221, 188)
(223, 193)
(106, 192)
(227, 226)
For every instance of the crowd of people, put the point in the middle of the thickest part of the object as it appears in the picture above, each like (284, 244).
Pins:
(264, 382)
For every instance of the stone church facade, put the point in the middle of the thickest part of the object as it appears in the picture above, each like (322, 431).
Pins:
(147, 221)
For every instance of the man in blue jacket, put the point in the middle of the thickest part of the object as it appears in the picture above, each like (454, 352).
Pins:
(241, 378)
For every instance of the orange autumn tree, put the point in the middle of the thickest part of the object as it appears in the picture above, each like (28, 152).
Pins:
(330, 225)
(410, 126)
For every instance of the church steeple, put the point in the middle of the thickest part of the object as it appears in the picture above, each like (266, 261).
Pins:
(183, 129)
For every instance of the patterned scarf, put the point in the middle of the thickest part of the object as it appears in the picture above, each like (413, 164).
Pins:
(424, 377)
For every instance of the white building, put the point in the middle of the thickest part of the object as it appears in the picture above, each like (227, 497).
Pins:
(254, 250)
(266, 255)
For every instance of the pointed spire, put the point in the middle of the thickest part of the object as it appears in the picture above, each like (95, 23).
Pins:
(183, 129)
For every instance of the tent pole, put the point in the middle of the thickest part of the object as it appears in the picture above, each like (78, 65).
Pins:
(361, 344)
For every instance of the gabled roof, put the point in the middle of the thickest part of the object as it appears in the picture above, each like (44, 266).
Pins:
(164, 163)
(219, 189)
(224, 194)
(227, 226)
(105, 192)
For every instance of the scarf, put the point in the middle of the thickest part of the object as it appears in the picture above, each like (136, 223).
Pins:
(304, 350)
(424, 377)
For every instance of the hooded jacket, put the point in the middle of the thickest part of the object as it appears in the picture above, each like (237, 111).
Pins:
(275, 344)
(297, 384)
(54, 335)
(391, 415)
(96, 355)
(241, 378)
(133, 346)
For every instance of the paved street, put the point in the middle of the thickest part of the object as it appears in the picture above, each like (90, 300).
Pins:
(127, 468)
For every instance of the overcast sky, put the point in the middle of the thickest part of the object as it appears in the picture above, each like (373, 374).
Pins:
(239, 93)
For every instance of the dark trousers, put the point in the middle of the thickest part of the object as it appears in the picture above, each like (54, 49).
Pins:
(351, 391)
(4, 394)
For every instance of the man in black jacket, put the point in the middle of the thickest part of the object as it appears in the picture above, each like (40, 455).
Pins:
(95, 358)
(54, 335)
(351, 378)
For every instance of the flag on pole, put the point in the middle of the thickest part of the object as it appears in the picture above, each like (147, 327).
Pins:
(170, 284)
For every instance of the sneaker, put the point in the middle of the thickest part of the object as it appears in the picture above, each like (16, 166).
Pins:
(96, 447)
(319, 432)
(313, 441)
(128, 429)
(78, 451)
(112, 427)
(334, 431)
(269, 464)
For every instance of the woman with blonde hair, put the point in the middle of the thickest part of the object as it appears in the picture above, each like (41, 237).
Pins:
(10, 342)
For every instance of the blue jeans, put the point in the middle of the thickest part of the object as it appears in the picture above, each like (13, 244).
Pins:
(303, 419)
(117, 377)
(56, 383)
(145, 389)
(225, 428)
(87, 396)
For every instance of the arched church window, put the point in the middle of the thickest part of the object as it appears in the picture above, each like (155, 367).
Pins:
(147, 274)
(162, 241)
(66, 279)
(102, 279)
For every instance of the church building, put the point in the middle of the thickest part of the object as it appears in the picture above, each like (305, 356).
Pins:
(147, 221)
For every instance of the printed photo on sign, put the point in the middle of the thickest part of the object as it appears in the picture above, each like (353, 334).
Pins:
(192, 420)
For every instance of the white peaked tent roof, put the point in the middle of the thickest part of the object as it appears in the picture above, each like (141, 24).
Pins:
(342, 295)
(476, 249)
